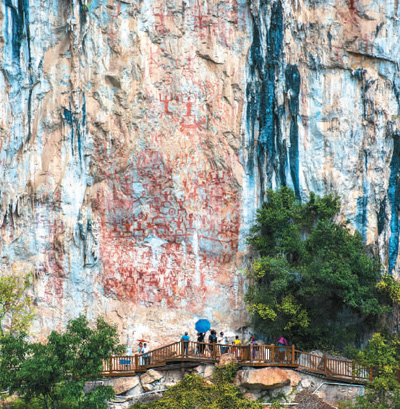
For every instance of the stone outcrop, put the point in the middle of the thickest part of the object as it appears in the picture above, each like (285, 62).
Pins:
(149, 378)
(226, 359)
(266, 378)
(137, 139)
(123, 385)
(266, 385)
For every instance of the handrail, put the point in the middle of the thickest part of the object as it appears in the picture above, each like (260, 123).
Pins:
(248, 355)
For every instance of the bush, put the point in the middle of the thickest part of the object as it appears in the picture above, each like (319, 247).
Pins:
(194, 392)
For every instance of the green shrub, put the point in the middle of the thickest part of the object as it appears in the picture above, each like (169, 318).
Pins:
(195, 392)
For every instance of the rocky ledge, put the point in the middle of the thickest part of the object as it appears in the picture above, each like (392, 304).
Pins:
(264, 384)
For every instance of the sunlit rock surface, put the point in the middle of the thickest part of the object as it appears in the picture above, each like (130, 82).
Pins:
(137, 140)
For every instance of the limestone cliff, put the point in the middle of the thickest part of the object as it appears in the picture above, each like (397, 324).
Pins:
(137, 138)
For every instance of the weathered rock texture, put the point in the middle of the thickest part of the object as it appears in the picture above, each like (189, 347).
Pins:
(137, 138)
(267, 378)
(264, 384)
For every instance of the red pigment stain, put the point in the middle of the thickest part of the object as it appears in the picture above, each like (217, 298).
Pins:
(154, 247)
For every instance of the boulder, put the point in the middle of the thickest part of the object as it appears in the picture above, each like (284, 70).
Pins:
(199, 369)
(123, 384)
(172, 378)
(226, 359)
(266, 378)
(306, 383)
(148, 387)
(150, 376)
(208, 372)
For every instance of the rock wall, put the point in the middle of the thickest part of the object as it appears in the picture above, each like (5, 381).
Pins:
(137, 139)
(322, 109)
(262, 384)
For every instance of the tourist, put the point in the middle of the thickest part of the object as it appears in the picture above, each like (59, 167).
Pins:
(226, 343)
(201, 346)
(282, 342)
(253, 342)
(186, 339)
(140, 351)
(237, 342)
(146, 356)
(212, 339)
(220, 341)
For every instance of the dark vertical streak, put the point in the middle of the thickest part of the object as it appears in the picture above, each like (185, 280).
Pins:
(394, 200)
(263, 111)
(292, 75)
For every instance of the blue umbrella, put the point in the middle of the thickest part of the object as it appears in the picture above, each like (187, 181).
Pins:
(202, 325)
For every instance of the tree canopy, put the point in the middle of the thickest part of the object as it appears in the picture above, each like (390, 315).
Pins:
(55, 373)
(15, 304)
(313, 280)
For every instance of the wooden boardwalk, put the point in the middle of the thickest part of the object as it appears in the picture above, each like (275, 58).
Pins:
(245, 355)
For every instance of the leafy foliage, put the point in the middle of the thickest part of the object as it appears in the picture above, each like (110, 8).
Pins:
(15, 305)
(195, 392)
(314, 281)
(55, 373)
(384, 391)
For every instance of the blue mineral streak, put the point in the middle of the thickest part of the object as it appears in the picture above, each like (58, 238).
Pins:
(394, 200)
(362, 204)
(276, 162)
(293, 86)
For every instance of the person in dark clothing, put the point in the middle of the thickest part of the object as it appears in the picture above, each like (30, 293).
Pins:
(200, 338)
(212, 339)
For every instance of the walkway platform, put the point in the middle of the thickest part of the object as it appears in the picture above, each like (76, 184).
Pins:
(188, 352)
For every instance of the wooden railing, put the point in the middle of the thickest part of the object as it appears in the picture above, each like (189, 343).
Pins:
(334, 367)
(245, 355)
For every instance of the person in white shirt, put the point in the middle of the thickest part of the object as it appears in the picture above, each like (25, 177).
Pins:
(220, 340)
(140, 351)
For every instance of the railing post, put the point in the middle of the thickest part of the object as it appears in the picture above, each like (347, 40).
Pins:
(325, 364)
(111, 366)
(293, 359)
(273, 354)
(137, 361)
(353, 370)
(251, 353)
(371, 376)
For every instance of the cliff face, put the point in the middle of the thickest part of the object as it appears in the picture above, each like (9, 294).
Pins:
(137, 138)
(323, 89)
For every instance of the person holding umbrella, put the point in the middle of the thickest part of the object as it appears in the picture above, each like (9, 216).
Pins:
(201, 326)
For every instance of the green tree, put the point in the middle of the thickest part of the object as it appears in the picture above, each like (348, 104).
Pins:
(195, 392)
(15, 304)
(383, 355)
(55, 373)
(313, 281)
